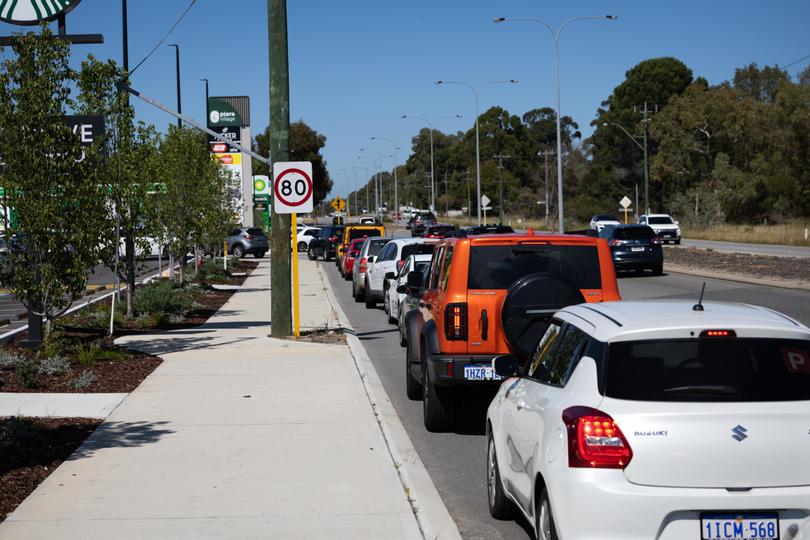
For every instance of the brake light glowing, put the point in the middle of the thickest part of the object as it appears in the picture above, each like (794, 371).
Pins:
(595, 440)
(363, 266)
(455, 322)
(333, 238)
(718, 333)
(248, 237)
(656, 240)
(615, 242)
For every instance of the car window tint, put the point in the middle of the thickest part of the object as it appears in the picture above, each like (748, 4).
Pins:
(497, 267)
(405, 268)
(256, 231)
(633, 233)
(375, 246)
(558, 366)
(663, 220)
(416, 249)
(436, 264)
(234, 232)
(544, 349)
(448, 261)
(389, 253)
(709, 369)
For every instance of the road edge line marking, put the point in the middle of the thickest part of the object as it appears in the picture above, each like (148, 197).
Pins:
(431, 514)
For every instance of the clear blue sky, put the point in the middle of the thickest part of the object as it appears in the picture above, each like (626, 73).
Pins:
(356, 66)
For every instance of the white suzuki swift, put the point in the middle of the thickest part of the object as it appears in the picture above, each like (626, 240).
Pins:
(642, 420)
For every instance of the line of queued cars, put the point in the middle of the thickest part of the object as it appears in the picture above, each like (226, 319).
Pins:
(610, 418)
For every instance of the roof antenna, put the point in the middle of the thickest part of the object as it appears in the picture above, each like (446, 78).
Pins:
(699, 305)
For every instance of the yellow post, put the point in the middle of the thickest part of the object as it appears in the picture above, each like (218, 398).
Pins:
(296, 317)
(225, 254)
(625, 216)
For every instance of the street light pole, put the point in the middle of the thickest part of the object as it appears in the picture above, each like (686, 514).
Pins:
(206, 100)
(177, 69)
(377, 181)
(476, 93)
(556, 38)
(432, 161)
(396, 187)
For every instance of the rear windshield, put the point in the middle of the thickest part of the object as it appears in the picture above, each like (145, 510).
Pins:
(605, 217)
(255, 231)
(376, 246)
(633, 233)
(497, 267)
(665, 220)
(442, 230)
(697, 370)
(416, 249)
(360, 233)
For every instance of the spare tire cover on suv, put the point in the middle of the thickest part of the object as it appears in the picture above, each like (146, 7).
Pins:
(529, 304)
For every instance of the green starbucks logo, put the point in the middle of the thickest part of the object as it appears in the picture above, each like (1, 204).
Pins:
(34, 11)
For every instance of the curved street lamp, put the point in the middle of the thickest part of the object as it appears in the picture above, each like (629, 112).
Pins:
(555, 34)
(476, 93)
(396, 189)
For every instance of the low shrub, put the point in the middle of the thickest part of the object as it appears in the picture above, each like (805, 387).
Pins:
(27, 370)
(212, 271)
(87, 355)
(163, 297)
(54, 365)
(12, 430)
(84, 380)
(8, 358)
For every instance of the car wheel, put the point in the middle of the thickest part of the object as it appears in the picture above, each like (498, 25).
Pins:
(437, 403)
(544, 519)
(658, 269)
(500, 507)
(302, 246)
(403, 341)
(259, 254)
(238, 251)
(412, 387)
(358, 296)
(370, 303)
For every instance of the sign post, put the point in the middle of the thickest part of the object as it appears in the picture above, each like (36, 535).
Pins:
(625, 202)
(292, 193)
(485, 206)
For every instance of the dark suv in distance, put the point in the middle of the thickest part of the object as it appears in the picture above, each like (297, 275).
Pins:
(325, 244)
(421, 221)
(634, 247)
(248, 241)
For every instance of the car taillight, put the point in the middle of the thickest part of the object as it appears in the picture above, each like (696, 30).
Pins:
(455, 322)
(656, 240)
(399, 265)
(248, 237)
(718, 333)
(333, 238)
(594, 440)
(615, 242)
(362, 266)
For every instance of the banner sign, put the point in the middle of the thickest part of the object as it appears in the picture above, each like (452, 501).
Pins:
(29, 12)
(223, 114)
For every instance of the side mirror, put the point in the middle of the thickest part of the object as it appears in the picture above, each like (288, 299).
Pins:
(370, 259)
(390, 275)
(402, 289)
(507, 365)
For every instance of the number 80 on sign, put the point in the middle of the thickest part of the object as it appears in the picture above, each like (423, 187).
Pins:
(292, 187)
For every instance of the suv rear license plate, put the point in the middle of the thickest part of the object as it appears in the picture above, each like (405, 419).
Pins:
(481, 373)
(746, 526)
(637, 249)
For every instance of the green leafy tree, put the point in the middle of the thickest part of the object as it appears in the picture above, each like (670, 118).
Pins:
(760, 84)
(305, 145)
(52, 183)
(131, 169)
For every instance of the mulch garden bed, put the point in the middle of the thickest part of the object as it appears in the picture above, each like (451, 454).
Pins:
(31, 449)
(757, 266)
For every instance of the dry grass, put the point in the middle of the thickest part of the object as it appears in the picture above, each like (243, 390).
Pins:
(792, 233)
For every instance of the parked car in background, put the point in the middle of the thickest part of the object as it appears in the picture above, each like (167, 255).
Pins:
(438, 231)
(247, 241)
(658, 409)
(350, 256)
(366, 220)
(420, 223)
(489, 229)
(305, 236)
(410, 298)
(634, 247)
(385, 266)
(491, 295)
(393, 296)
(600, 220)
(667, 229)
(371, 248)
(324, 245)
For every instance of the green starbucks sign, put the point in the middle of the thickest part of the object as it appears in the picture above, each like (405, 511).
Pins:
(34, 11)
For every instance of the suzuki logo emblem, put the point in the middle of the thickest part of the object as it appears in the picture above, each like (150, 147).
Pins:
(740, 433)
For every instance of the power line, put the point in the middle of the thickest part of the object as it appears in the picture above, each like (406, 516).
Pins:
(159, 43)
(800, 60)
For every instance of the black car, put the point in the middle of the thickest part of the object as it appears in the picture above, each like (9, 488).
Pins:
(490, 229)
(325, 244)
(634, 247)
(421, 222)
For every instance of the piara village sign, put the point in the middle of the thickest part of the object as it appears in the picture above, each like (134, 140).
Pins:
(34, 11)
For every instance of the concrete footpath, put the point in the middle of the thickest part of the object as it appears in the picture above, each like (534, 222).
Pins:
(235, 435)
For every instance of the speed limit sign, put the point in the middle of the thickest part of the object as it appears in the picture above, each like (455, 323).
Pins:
(292, 187)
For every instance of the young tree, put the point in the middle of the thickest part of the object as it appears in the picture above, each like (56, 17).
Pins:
(50, 180)
(131, 170)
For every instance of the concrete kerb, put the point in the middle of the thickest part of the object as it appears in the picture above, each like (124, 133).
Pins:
(430, 511)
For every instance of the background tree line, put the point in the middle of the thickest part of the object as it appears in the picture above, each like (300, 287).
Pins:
(735, 152)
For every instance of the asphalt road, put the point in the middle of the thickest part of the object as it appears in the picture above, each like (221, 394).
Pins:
(754, 249)
(455, 461)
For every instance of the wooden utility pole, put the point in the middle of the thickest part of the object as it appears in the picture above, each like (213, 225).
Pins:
(500, 158)
(545, 154)
(280, 272)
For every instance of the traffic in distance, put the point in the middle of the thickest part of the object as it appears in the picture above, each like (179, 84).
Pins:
(695, 415)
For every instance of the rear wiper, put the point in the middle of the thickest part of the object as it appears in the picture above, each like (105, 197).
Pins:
(703, 389)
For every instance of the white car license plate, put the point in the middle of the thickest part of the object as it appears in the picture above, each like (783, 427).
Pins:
(637, 249)
(481, 373)
(746, 526)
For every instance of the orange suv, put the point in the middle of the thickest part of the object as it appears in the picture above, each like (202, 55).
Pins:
(490, 295)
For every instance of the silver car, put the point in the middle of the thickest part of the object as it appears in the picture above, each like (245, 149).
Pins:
(247, 241)
(371, 248)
